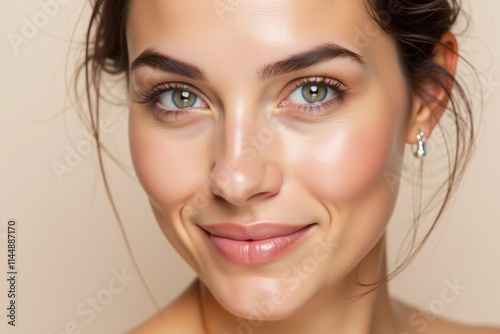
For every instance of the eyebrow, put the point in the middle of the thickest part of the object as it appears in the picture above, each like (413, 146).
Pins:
(156, 60)
(319, 54)
(324, 52)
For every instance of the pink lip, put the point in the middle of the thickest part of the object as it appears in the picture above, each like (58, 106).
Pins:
(257, 243)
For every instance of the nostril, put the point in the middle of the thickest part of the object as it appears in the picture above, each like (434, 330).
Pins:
(262, 195)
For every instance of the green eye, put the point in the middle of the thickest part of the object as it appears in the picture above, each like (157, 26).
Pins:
(311, 93)
(314, 93)
(182, 98)
(176, 99)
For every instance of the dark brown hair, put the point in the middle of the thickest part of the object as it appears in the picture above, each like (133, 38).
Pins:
(417, 27)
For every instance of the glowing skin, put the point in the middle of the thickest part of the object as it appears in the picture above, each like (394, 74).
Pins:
(250, 151)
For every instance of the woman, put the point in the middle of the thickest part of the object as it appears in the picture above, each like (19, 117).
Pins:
(269, 138)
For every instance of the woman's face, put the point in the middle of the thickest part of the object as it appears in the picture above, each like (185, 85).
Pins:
(267, 136)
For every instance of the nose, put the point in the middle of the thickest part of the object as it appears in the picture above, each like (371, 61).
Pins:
(241, 183)
(247, 168)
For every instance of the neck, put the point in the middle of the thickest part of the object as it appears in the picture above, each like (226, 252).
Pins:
(345, 308)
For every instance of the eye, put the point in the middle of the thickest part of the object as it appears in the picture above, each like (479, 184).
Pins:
(173, 102)
(311, 93)
(314, 95)
(175, 99)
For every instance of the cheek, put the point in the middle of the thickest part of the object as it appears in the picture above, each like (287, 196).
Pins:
(168, 174)
(348, 165)
(360, 155)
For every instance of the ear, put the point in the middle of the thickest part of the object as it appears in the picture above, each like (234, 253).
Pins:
(427, 108)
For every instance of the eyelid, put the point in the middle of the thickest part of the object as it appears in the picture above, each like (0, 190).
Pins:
(325, 80)
(307, 109)
(338, 86)
(151, 98)
(153, 93)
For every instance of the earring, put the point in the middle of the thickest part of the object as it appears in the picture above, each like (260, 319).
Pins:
(420, 152)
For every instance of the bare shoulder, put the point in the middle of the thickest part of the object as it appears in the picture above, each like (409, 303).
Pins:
(416, 321)
(490, 330)
(447, 327)
(179, 317)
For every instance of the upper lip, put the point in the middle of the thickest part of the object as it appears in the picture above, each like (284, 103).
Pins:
(251, 231)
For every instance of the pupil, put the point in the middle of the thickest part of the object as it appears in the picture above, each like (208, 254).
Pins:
(314, 93)
(183, 99)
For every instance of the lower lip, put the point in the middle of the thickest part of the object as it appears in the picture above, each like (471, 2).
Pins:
(253, 252)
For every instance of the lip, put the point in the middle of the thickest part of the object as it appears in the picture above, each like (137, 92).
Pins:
(253, 244)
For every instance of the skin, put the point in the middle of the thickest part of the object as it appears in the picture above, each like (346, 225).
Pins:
(329, 167)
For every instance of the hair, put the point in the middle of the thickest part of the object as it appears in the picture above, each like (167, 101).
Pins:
(416, 26)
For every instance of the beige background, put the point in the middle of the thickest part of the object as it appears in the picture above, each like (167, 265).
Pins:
(69, 244)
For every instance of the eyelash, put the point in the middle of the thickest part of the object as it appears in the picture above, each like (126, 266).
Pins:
(153, 94)
(338, 88)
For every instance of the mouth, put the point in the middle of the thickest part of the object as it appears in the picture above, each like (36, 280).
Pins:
(254, 244)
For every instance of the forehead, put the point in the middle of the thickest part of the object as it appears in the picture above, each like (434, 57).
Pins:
(244, 31)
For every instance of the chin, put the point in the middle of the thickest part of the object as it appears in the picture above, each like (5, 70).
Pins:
(261, 298)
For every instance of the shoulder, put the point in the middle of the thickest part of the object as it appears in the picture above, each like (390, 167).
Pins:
(445, 327)
(421, 322)
(179, 317)
(490, 330)
(453, 328)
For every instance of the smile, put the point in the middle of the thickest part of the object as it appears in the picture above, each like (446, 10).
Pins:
(255, 243)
